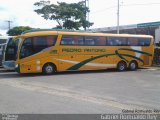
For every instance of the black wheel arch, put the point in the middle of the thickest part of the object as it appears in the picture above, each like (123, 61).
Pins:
(123, 62)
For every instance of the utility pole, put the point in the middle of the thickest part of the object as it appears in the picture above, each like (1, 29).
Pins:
(88, 12)
(86, 16)
(118, 17)
(9, 24)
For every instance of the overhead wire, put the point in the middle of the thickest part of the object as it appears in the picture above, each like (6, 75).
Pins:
(125, 5)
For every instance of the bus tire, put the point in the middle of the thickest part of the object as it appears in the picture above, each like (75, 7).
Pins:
(48, 69)
(133, 65)
(121, 66)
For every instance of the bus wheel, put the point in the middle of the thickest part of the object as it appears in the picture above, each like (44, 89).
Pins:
(133, 65)
(122, 66)
(49, 69)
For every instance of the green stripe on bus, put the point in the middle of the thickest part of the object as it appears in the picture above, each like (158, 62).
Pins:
(77, 66)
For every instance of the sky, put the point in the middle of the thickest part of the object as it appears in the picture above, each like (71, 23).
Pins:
(103, 13)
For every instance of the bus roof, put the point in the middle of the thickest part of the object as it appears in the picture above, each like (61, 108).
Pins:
(41, 32)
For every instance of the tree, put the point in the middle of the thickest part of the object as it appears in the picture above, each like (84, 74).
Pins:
(18, 30)
(69, 16)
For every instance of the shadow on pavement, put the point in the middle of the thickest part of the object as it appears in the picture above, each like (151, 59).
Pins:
(12, 74)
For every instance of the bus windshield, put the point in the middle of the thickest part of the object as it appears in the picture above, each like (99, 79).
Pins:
(11, 49)
(33, 45)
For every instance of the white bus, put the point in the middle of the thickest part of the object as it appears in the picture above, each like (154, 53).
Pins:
(10, 52)
(3, 41)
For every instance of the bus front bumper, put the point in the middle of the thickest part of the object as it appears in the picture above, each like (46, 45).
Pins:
(8, 65)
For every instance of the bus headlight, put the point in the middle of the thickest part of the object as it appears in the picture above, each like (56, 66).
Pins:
(16, 66)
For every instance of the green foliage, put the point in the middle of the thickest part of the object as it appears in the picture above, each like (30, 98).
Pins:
(68, 16)
(18, 30)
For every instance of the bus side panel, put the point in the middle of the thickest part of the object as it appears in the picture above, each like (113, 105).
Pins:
(148, 58)
(86, 58)
(34, 64)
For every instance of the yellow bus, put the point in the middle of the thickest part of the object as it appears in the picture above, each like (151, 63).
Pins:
(51, 51)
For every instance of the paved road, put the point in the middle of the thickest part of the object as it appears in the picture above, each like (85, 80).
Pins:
(80, 92)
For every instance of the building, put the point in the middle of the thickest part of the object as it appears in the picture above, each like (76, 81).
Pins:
(150, 28)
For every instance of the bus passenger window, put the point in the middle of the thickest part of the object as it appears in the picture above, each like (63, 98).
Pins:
(111, 41)
(123, 41)
(132, 41)
(67, 40)
(89, 40)
(101, 41)
(39, 43)
(80, 40)
(144, 42)
(51, 40)
(42, 42)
